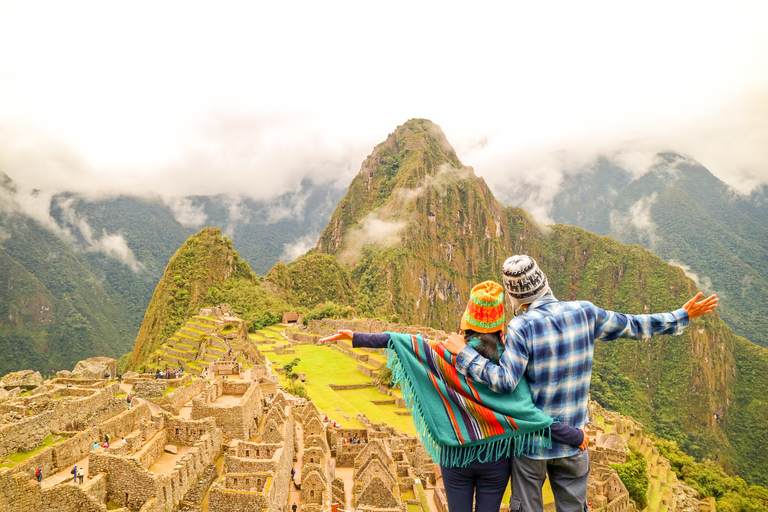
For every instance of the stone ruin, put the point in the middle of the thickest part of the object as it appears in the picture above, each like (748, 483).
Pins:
(159, 460)
(95, 368)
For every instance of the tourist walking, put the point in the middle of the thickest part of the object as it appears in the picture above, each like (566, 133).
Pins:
(74, 474)
(39, 474)
(128, 400)
(293, 474)
(469, 430)
(293, 508)
(80, 475)
(550, 346)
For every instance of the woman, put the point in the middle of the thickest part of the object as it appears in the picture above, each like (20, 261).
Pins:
(469, 430)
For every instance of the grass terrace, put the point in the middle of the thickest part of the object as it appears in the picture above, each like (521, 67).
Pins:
(16, 458)
(324, 365)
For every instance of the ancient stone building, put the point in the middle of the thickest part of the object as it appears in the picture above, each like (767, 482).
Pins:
(236, 406)
(257, 474)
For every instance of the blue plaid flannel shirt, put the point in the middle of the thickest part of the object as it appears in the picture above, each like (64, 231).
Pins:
(553, 344)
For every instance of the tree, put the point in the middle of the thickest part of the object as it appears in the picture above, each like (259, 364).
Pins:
(289, 373)
(294, 387)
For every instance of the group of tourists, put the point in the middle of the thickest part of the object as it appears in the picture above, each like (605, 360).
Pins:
(76, 474)
(498, 401)
(168, 374)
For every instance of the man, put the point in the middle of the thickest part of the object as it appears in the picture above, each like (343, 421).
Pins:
(552, 344)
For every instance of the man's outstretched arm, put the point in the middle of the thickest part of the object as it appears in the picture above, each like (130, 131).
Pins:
(610, 325)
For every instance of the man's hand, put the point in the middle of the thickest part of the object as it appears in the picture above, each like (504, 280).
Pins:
(454, 343)
(584, 444)
(695, 309)
(341, 334)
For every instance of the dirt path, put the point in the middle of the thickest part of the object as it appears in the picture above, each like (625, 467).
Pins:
(167, 461)
(65, 473)
(294, 495)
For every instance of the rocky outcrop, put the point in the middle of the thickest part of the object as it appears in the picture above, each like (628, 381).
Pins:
(95, 368)
(24, 379)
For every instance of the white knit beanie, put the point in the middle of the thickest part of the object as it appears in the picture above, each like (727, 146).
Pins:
(524, 280)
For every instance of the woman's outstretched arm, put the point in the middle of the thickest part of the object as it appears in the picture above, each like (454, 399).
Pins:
(560, 432)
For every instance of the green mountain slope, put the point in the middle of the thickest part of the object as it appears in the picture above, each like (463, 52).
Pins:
(683, 213)
(417, 229)
(204, 271)
(53, 310)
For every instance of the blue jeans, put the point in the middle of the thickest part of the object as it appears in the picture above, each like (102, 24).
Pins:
(482, 482)
(567, 475)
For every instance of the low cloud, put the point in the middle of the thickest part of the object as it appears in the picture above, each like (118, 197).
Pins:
(703, 283)
(635, 225)
(446, 177)
(291, 206)
(186, 212)
(112, 245)
(4, 235)
(299, 247)
(35, 204)
(237, 213)
(372, 230)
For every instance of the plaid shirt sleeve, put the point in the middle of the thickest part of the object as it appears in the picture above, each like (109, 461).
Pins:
(610, 325)
(501, 378)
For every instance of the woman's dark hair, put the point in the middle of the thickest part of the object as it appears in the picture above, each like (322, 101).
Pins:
(489, 343)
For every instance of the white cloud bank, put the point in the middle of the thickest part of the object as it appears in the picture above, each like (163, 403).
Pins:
(37, 205)
(252, 97)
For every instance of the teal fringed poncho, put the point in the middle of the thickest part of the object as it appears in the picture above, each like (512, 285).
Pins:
(461, 421)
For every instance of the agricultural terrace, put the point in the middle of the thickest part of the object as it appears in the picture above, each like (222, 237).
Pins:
(323, 365)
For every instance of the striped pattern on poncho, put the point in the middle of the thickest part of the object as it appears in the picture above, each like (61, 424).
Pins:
(461, 421)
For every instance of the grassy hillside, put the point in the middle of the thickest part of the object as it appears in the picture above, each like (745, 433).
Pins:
(683, 213)
(54, 311)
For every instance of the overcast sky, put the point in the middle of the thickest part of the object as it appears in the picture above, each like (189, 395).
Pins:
(181, 98)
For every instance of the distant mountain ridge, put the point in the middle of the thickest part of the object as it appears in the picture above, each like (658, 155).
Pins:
(111, 254)
(681, 212)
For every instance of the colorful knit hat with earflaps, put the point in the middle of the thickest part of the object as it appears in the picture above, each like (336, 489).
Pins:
(485, 309)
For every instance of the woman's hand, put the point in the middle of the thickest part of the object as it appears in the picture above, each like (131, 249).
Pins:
(454, 343)
(584, 444)
(341, 334)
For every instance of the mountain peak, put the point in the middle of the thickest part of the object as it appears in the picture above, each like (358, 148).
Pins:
(394, 187)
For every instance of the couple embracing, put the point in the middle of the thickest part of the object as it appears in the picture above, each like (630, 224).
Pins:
(490, 403)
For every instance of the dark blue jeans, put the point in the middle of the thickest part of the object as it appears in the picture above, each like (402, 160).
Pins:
(482, 482)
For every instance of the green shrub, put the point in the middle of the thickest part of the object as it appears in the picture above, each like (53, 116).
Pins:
(295, 387)
(329, 310)
(634, 474)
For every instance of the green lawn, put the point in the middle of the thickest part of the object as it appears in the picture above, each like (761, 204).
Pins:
(322, 366)
(16, 458)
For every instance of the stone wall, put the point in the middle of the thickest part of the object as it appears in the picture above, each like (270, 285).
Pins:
(131, 484)
(175, 400)
(236, 421)
(149, 388)
(153, 449)
(125, 422)
(187, 432)
(70, 497)
(224, 500)
(346, 454)
(74, 412)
